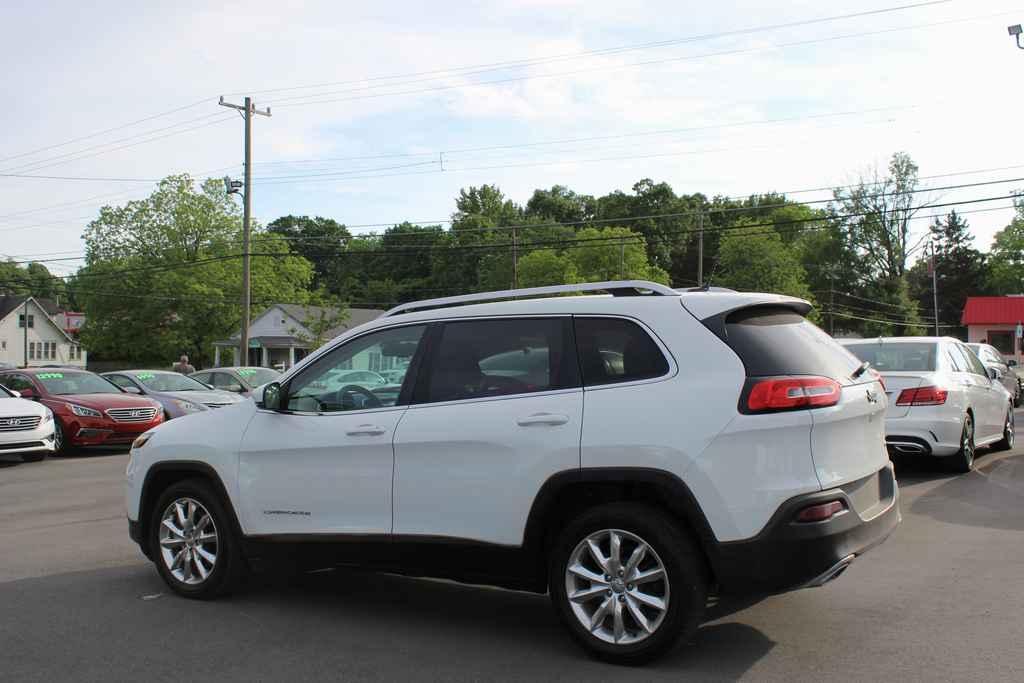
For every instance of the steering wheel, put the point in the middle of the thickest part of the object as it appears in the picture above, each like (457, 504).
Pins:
(346, 402)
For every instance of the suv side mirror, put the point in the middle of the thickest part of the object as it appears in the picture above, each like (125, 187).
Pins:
(994, 374)
(28, 393)
(15, 394)
(132, 390)
(1011, 363)
(270, 397)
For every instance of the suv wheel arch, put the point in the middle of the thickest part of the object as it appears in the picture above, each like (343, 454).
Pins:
(164, 474)
(567, 494)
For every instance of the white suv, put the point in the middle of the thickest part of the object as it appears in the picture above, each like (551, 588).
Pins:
(628, 453)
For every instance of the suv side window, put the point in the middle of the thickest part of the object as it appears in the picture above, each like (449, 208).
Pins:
(615, 350)
(329, 385)
(500, 357)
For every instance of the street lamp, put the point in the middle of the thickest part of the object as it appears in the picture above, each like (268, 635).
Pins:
(1015, 31)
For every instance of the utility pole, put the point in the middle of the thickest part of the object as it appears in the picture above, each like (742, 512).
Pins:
(622, 258)
(248, 109)
(515, 260)
(24, 325)
(935, 291)
(831, 307)
(700, 249)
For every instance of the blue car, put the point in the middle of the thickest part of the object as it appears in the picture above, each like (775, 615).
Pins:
(179, 394)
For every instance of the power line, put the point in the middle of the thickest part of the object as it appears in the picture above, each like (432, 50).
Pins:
(496, 66)
(563, 244)
(42, 163)
(104, 132)
(658, 216)
(64, 177)
(298, 100)
(902, 323)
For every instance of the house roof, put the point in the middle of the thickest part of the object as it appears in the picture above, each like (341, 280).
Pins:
(993, 310)
(304, 314)
(356, 316)
(10, 302)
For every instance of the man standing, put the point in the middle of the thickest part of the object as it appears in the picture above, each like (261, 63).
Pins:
(182, 366)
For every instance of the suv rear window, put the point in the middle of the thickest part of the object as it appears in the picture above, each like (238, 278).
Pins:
(614, 350)
(896, 357)
(772, 340)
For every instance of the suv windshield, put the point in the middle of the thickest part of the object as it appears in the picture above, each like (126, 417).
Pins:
(899, 357)
(168, 381)
(257, 376)
(61, 383)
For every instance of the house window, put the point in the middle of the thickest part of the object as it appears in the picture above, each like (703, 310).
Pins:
(31, 350)
(31, 320)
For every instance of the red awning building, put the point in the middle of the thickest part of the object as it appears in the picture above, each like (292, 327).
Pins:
(994, 320)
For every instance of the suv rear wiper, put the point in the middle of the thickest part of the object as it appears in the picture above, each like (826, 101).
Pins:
(861, 369)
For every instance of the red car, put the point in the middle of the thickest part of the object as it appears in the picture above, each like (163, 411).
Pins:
(88, 409)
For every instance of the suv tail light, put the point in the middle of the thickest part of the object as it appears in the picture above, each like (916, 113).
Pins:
(821, 512)
(922, 396)
(791, 393)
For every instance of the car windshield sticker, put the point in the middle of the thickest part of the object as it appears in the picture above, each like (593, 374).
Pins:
(145, 375)
(245, 372)
(50, 375)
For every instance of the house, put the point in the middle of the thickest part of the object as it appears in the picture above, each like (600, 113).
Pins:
(994, 320)
(285, 333)
(31, 335)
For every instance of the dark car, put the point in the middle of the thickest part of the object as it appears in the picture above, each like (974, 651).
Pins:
(179, 394)
(240, 380)
(88, 410)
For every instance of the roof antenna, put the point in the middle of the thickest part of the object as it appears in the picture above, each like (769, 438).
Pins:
(714, 269)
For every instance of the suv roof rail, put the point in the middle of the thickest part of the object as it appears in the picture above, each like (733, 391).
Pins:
(615, 288)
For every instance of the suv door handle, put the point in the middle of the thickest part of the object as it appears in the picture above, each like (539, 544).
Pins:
(366, 430)
(542, 419)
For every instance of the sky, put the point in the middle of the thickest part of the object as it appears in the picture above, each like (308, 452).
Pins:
(382, 113)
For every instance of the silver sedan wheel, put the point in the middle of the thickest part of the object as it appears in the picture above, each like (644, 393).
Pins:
(617, 586)
(188, 541)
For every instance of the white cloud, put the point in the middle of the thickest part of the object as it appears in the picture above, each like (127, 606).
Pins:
(113, 66)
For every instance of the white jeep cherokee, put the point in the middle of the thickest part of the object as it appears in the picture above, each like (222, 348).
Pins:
(628, 454)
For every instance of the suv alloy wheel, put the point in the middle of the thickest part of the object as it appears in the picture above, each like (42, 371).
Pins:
(627, 582)
(193, 542)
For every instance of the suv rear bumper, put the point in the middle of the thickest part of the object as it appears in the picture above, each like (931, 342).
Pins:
(787, 555)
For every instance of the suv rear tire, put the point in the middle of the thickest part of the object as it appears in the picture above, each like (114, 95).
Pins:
(636, 579)
(193, 541)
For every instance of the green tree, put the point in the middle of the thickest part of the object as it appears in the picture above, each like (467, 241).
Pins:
(758, 260)
(318, 240)
(877, 212)
(613, 253)
(960, 271)
(546, 267)
(1007, 255)
(177, 291)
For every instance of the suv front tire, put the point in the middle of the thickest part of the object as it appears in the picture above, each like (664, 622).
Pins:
(627, 581)
(193, 541)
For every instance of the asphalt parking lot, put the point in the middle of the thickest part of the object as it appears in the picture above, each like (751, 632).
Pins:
(942, 599)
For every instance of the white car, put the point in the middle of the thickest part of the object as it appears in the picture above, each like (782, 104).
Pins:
(26, 427)
(943, 402)
(627, 454)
